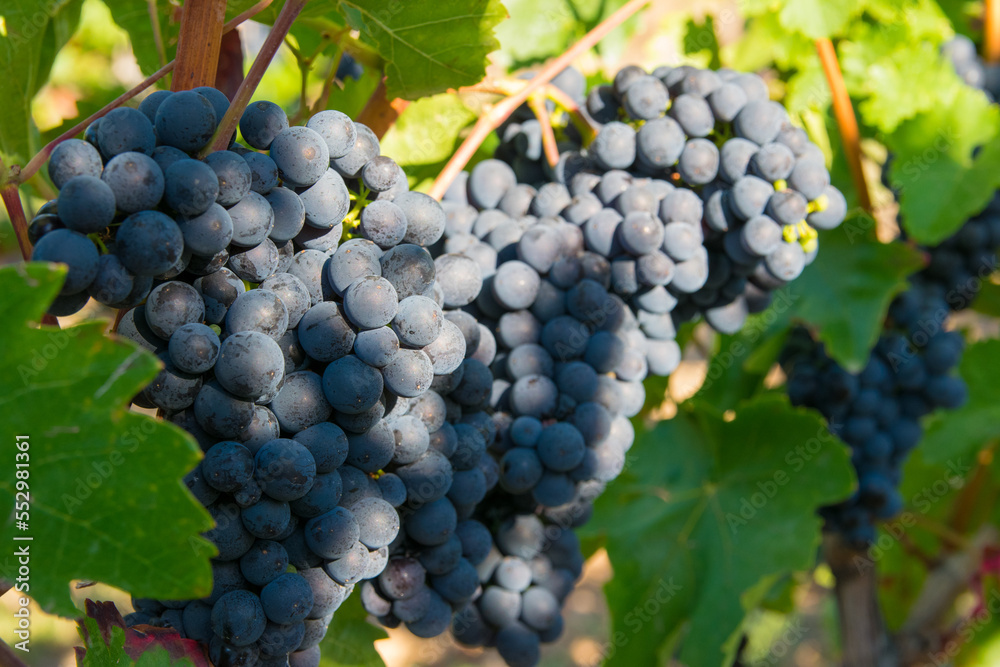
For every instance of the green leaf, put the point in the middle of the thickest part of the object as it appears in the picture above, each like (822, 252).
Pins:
(350, 640)
(921, 19)
(34, 32)
(807, 90)
(134, 18)
(106, 498)
(766, 43)
(714, 508)
(428, 47)
(316, 12)
(426, 134)
(941, 185)
(845, 293)
(160, 658)
(700, 38)
(101, 651)
(987, 301)
(954, 434)
(819, 18)
(536, 30)
(741, 361)
(882, 60)
(888, 83)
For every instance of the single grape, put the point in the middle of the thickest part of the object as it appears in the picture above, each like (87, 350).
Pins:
(73, 249)
(125, 130)
(135, 179)
(261, 122)
(185, 120)
(72, 158)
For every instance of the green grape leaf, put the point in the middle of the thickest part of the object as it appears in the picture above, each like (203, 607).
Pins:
(891, 95)
(766, 43)
(715, 508)
(921, 19)
(807, 90)
(845, 293)
(106, 498)
(350, 640)
(33, 33)
(316, 12)
(699, 38)
(741, 361)
(881, 61)
(939, 181)
(818, 18)
(134, 18)
(107, 642)
(953, 434)
(536, 30)
(987, 301)
(425, 136)
(160, 658)
(428, 47)
(106, 647)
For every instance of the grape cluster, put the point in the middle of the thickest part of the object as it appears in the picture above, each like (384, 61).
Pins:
(582, 274)
(910, 373)
(423, 399)
(697, 189)
(301, 330)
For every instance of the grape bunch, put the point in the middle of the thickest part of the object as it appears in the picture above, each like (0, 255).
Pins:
(582, 276)
(909, 374)
(301, 330)
(697, 189)
(557, 360)
(420, 399)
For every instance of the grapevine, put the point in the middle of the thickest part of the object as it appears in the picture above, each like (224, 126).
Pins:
(405, 336)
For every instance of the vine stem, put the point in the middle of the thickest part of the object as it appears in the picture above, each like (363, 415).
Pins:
(863, 634)
(492, 119)
(8, 658)
(198, 44)
(509, 86)
(15, 211)
(246, 90)
(944, 584)
(537, 104)
(847, 123)
(991, 32)
(569, 105)
(380, 113)
(33, 165)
